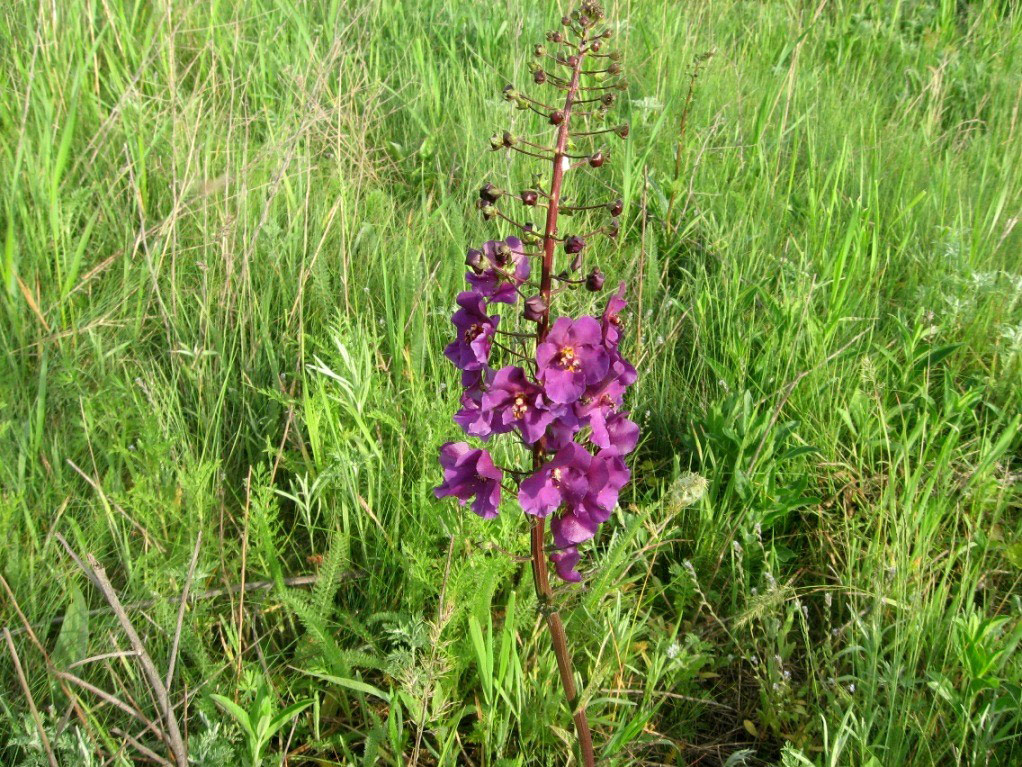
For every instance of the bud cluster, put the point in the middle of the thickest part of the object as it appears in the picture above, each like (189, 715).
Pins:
(556, 384)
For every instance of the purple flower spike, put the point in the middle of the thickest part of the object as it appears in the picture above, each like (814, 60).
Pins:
(565, 561)
(571, 358)
(495, 281)
(471, 350)
(470, 473)
(513, 401)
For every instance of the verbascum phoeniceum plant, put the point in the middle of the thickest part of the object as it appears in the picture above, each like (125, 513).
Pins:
(553, 382)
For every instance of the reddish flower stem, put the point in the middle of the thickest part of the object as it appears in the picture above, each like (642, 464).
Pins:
(540, 575)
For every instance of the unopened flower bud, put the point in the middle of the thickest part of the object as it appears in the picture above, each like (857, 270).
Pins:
(584, 20)
(622, 130)
(539, 77)
(488, 212)
(556, 117)
(607, 99)
(597, 159)
(595, 280)
(529, 197)
(615, 55)
(621, 85)
(508, 139)
(474, 260)
(566, 20)
(607, 33)
(503, 254)
(614, 68)
(490, 193)
(572, 60)
(535, 308)
(496, 142)
(574, 244)
(595, 46)
(510, 94)
(556, 37)
(539, 50)
(616, 207)
(612, 229)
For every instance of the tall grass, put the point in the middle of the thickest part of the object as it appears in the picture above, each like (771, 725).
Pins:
(229, 234)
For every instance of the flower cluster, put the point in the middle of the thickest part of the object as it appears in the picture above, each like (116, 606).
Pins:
(569, 393)
(557, 387)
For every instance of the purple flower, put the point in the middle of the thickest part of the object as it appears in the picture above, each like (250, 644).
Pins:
(471, 350)
(571, 358)
(506, 266)
(470, 473)
(513, 401)
(471, 418)
(616, 432)
(565, 561)
(607, 474)
(612, 317)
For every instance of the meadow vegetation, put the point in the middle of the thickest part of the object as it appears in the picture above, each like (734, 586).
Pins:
(230, 239)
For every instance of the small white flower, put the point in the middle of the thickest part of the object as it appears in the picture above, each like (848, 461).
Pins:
(674, 650)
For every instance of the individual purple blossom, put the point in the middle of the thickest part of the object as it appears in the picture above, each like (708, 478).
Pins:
(571, 358)
(513, 401)
(576, 523)
(470, 473)
(565, 561)
(502, 274)
(611, 320)
(471, 350)
(471, 418)
(616, 432)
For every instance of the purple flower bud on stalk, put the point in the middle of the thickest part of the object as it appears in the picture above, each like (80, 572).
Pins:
(616, 207)
(595, 280)
(539, 77)
(490, 193)
(556, 117)
(574, 244)
(529, 197)
(597, 159)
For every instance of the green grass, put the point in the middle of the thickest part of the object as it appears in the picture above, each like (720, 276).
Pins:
(230, 238)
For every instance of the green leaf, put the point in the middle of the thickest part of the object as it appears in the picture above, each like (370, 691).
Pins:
(351, 684)
(73, 640)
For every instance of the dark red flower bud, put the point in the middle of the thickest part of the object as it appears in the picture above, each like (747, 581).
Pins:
(595, 280)
(622, 130)
(556, 117)
(612, 229)
(535, 308)
(572, 61)
(616, 207)
(529, 197)
(574, 244)
(490, 193)
(595, 46)
(556, 37)
(566, 21)
(607, 33)
(607, 99)
(503, 254)
(539, 77)
(597, 159)
(539, 50)
(614, 68)
(508, 139)
(474, 260)
(584, 21)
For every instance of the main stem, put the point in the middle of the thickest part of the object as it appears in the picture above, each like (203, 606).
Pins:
(540, 575)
